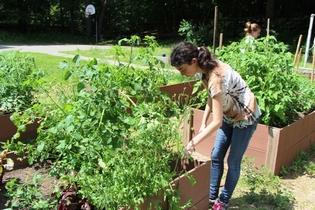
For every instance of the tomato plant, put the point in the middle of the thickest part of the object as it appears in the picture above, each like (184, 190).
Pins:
(266, 65)
(114, 129)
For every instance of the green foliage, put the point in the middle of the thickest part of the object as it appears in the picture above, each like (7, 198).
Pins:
(303, 163)
(146, 52)
(265, 188)
(266, 65)
(114, 129)
(198, 34)
(18, 79)
(135, 171)
(28, 195)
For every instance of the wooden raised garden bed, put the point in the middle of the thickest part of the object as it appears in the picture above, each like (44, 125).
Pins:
(198, 192)
(269, 146)
(8, 129)
(193, 187)
(179, 92)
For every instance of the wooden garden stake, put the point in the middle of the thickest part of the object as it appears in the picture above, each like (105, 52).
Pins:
(313, 66)
(298, 60)
(215, 27)
(297, 49)
(221, 40)
(268, 26)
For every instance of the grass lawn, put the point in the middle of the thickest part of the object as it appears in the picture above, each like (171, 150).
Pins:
(50, 65)
(110, 54)
(54, 75)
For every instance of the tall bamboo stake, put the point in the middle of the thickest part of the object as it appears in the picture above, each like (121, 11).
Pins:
(297, 49)
(298, 60)
(215, 27)
(313, 66)
(221, 40)
(268, 26)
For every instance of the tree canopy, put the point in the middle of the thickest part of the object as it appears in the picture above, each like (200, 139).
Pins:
(122, 17)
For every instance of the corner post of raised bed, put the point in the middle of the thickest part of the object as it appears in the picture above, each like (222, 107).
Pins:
(188, 127)
(272, 148)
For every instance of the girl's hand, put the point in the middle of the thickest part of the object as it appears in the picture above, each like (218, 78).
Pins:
(190, 147)
(240, 117)
(203, 126)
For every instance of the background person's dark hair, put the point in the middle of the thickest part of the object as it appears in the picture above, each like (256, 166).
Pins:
(251, 27)
(184, 52)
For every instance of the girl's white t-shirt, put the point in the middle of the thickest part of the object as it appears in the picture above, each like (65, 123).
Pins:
(236, 97)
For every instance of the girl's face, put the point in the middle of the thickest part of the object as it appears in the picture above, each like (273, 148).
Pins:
(189, 70)
(256, 33)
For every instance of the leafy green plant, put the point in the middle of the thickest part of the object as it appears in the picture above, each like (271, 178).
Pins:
(265, 188)
(198, 34)
(132, 42)
(146, 52)
(302, 164)
(115, 130)
(266, 65)
(28, 195)
(18, 80)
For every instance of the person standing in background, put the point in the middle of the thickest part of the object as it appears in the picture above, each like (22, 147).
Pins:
(252, 31)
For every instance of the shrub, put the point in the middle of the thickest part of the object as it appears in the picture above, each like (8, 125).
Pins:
(18, 80)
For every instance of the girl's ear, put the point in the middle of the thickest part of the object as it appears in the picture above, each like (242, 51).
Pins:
(194, 60)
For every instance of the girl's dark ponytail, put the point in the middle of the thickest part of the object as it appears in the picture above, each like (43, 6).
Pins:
(184, 52)
(205, 59)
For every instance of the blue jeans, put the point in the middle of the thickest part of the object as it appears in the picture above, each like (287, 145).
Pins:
(237, 139)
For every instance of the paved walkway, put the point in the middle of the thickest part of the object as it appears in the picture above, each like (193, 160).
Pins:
(55, 50)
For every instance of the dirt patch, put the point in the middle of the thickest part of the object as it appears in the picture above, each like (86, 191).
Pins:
(303, 189)
(25, 175)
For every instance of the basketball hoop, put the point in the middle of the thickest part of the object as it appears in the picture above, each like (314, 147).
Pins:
(89, 10)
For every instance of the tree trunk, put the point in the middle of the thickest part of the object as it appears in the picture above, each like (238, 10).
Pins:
(270, 5)
(61, 18)
(23, 19)
(101, 18)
